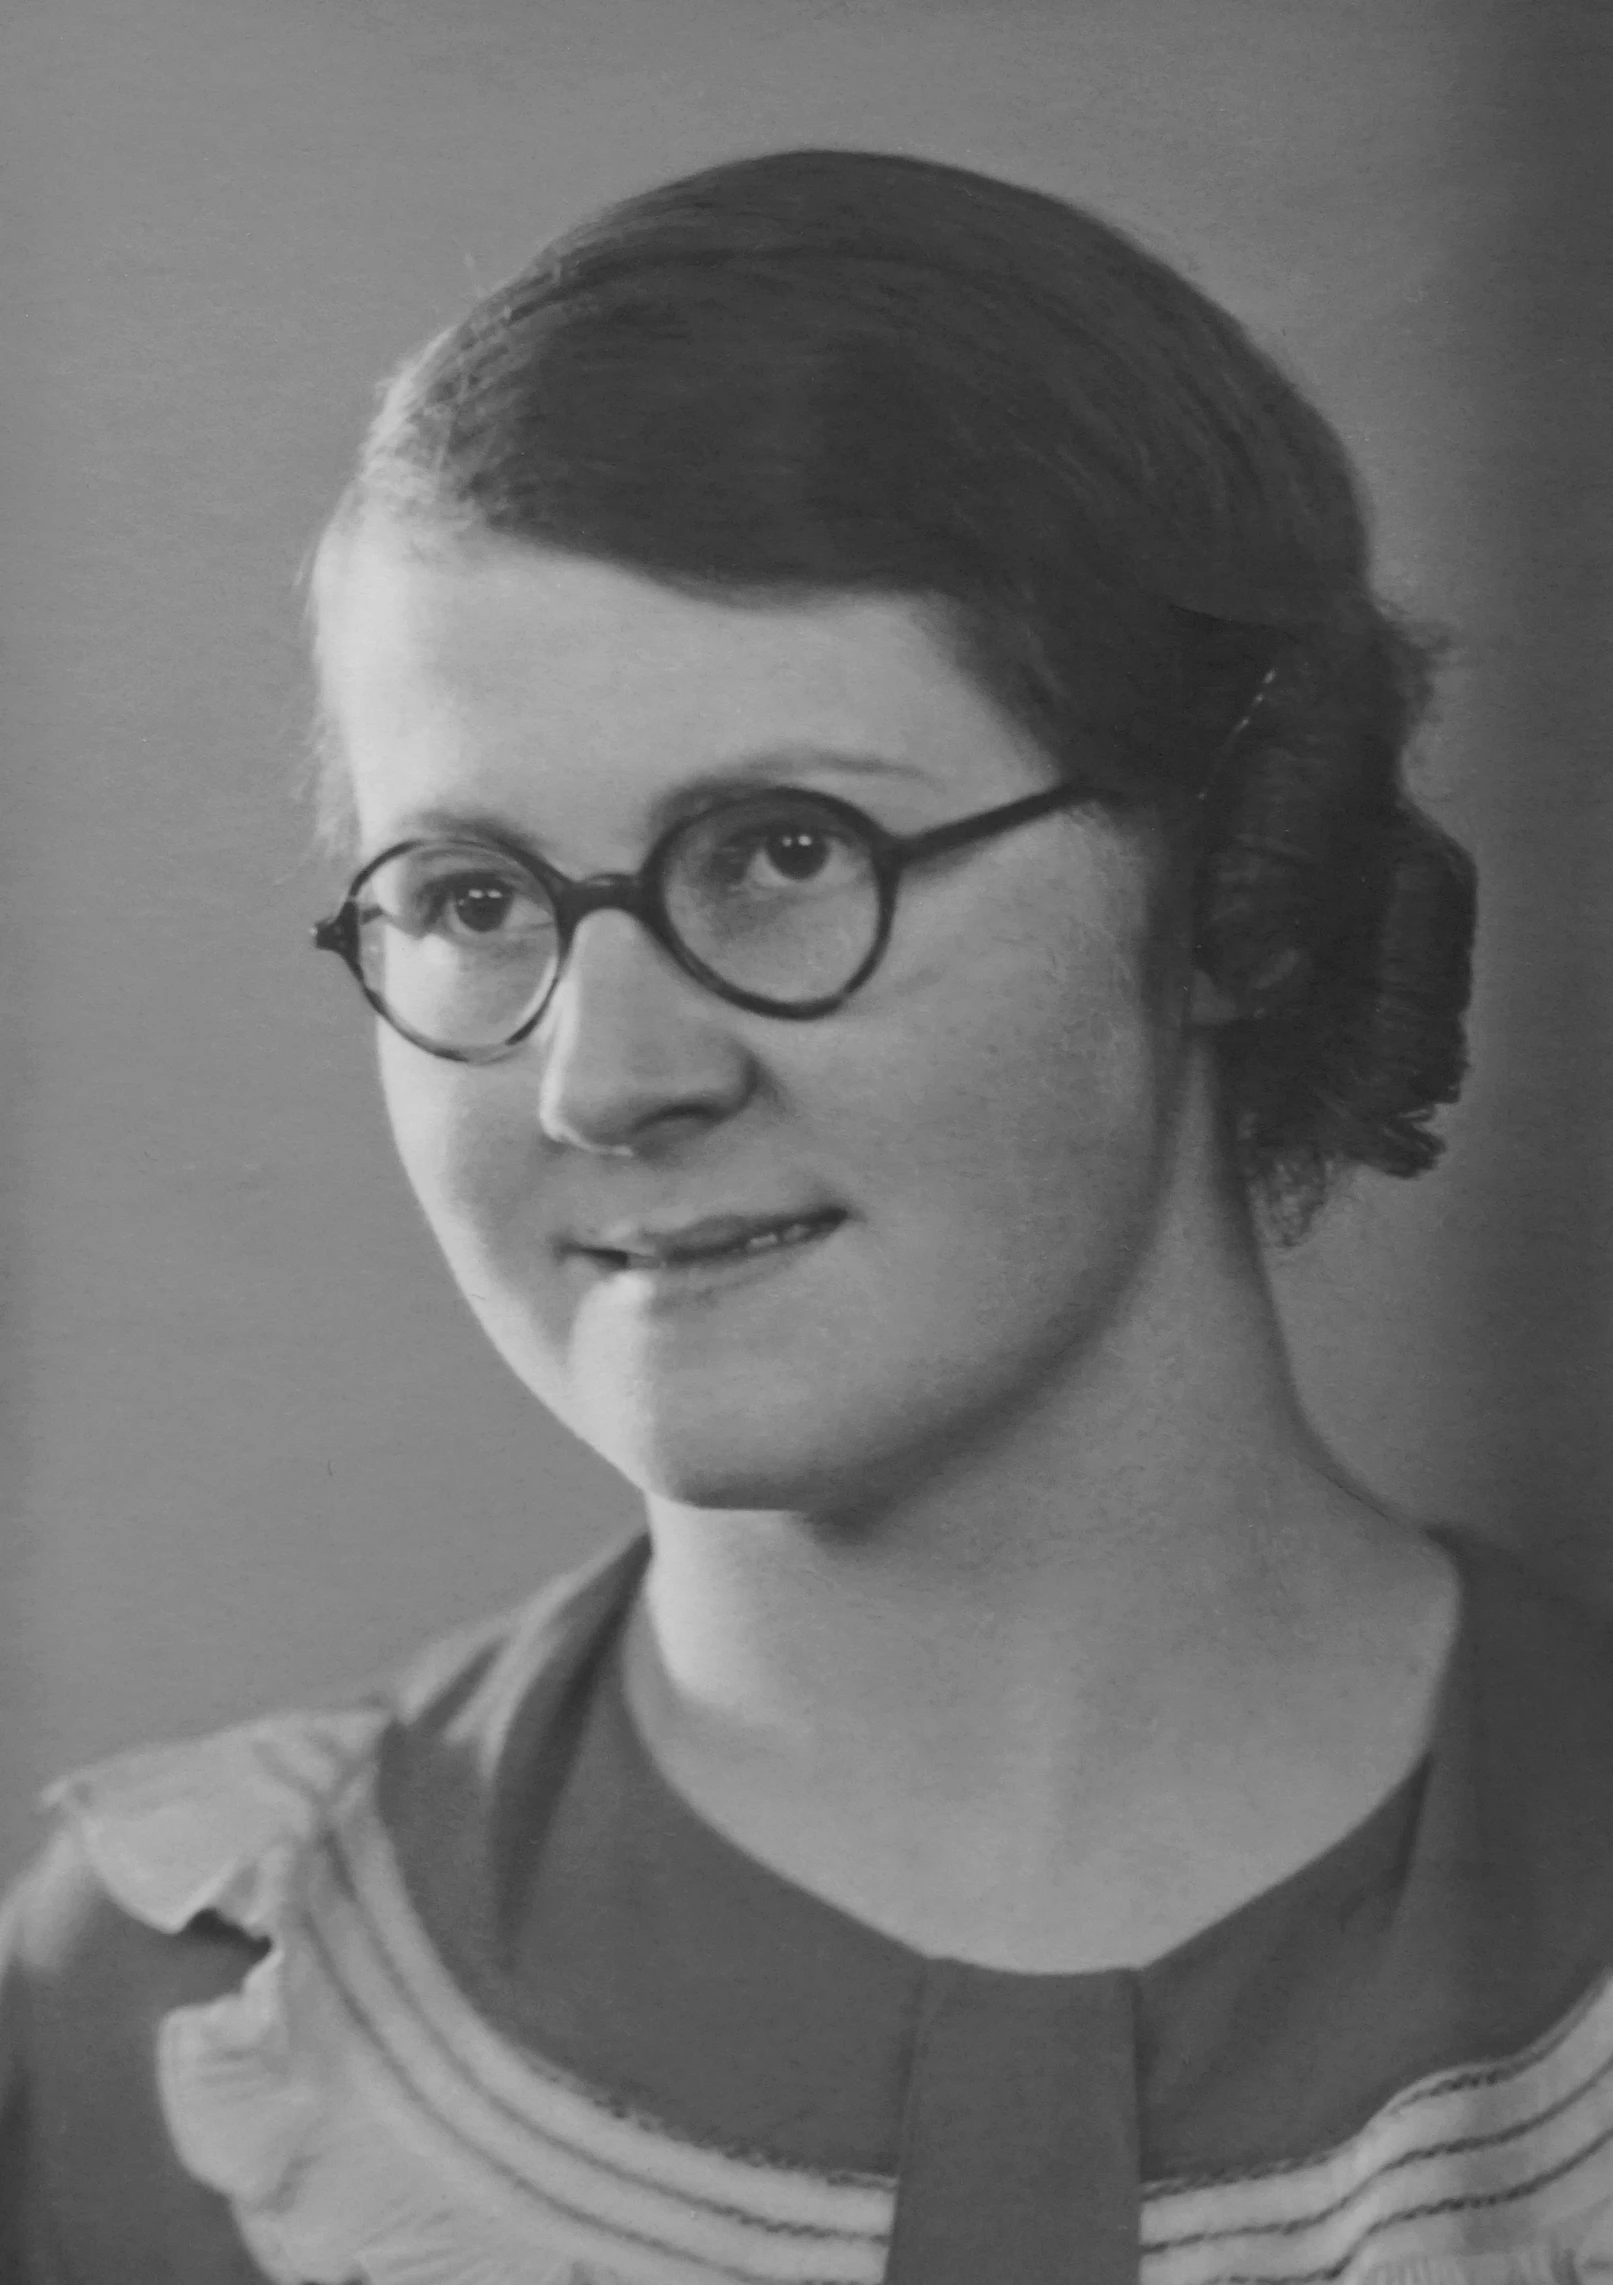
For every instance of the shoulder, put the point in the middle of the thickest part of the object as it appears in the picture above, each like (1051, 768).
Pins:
(89, 2171)
(154, 1903)
(200, 1838)
(205, 1833)
(150, 1946)
(1509, 1901)
(1536, 1682)
(1522, 1610)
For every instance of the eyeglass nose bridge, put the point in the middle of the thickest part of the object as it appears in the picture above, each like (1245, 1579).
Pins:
(603, 892)
(631, 893)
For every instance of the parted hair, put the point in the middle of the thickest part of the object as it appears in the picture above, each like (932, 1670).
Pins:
(832, 371)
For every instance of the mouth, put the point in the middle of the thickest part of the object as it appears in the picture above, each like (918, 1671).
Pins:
(719, 1243)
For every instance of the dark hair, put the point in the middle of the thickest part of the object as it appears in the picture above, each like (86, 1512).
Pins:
(839, 371)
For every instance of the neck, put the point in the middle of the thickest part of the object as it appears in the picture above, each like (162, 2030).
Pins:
(1147, 1575)
(1015, 1580)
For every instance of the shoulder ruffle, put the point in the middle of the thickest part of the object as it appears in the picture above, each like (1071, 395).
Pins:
(359, 2118)
(225, 1825)
(214, 1824)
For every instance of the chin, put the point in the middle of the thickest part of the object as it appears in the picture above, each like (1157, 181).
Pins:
(740, 1457)
(756, 1434)
(825, 1444)
(803, 1418)
(702, 1439)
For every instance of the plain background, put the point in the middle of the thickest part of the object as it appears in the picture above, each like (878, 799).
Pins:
(253, 1443)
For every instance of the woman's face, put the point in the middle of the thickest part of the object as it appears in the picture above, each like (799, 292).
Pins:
(944, 1188)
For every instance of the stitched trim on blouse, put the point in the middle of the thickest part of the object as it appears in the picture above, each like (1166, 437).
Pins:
(362, 2118)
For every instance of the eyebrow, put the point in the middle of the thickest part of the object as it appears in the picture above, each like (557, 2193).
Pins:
(752, 773)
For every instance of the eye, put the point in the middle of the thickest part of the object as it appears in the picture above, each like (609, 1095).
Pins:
(474, 907)
(772, 850)
(791, 852)
(462, 897)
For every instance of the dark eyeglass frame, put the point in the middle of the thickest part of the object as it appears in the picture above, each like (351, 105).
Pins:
(642, 895)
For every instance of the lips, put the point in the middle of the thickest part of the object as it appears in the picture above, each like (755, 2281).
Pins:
(716, 1239)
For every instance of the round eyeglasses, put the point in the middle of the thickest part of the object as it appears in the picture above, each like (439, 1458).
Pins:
(780, 901)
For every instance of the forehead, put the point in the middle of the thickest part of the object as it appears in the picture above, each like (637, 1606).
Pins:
(509, 664)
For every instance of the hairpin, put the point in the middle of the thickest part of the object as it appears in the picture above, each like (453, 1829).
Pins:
(1223, 752)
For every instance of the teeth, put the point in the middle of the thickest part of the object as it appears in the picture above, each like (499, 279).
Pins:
(787, 1234)
(760, 1242)
(764, 1240)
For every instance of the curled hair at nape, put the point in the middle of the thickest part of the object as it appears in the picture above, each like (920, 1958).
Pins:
(821, 372)
(1337, 917)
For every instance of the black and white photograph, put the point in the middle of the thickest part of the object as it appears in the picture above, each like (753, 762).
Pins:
(807, 1142)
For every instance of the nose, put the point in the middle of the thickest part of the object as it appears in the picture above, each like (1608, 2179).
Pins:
(633, 1055)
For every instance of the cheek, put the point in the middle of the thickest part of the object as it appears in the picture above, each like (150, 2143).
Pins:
(469, 1144)
(1037, 1087)
(424, 1103)
(1005, 1159)
(1018, 1151)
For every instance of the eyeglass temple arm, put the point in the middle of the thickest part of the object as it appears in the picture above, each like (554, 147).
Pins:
(963, 830)
(335, 934)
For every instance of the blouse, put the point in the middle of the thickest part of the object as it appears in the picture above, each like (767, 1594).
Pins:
(448, 1986)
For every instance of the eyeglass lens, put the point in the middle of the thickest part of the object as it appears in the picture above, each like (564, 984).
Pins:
(457, 941)
(778, 898)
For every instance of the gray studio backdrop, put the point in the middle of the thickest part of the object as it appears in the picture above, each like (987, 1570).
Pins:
(253, 1443)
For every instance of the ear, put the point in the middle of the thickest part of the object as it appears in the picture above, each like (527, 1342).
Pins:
(1210, 1004)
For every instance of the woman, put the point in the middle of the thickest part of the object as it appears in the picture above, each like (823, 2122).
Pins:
(872, 760)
